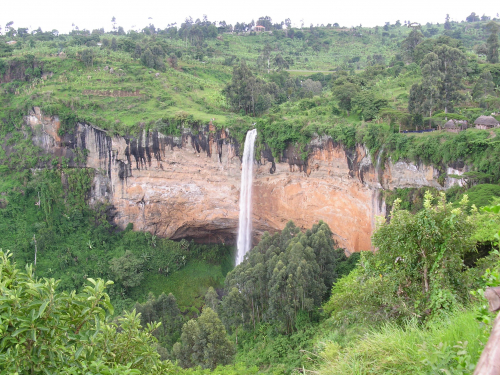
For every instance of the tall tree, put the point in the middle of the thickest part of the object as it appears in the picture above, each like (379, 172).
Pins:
(452, 65)
(414, 38)
(344, 94)
(114, 46)
(447, 23)
(212, 299)
(484, 86)
(204, 342)
(443, 70)
(87, 57)
(473, 17)
(163, 309)
(424, 97)
(492, 42)
(249, 93)
(284, 274)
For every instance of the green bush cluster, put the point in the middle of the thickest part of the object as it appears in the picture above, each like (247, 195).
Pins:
(44, 330)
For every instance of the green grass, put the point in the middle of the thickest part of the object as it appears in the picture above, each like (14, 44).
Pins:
(189, 285)
(411, 349)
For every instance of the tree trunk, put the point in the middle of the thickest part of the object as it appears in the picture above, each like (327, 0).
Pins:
(430, 115)
(426, 278)
(489, 363)
(426, 281)
(253, 314)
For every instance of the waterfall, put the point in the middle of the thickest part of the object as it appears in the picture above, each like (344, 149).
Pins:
(245, 221)
(378, 171)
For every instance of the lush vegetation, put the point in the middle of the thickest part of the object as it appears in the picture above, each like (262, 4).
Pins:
(300, 82)
(405, 308)
(411, 306)
(296, 303)
(68, 333)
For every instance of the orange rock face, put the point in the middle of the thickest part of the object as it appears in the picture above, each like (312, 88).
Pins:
(188, 186)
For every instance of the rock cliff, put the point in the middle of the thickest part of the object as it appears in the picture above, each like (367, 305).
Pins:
(188, 186)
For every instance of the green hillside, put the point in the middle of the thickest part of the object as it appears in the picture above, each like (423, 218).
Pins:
(296, 304)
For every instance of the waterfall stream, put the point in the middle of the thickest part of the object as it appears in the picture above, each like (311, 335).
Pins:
(378, 171)
(245, 220)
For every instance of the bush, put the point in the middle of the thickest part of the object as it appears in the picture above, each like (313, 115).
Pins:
(46, 331)
(417, 269)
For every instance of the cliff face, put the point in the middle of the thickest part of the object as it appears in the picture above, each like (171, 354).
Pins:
(188, 186)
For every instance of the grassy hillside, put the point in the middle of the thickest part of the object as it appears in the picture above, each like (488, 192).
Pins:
(293, 305)
(353, 84)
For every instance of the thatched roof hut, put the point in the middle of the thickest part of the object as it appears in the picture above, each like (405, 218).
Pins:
(486, 122)
(455, 126)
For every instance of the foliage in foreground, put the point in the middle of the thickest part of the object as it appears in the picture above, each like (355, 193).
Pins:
(449, 344)
(418, 270)
(68, 333)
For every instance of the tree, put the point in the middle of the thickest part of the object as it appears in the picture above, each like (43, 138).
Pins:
(344, 94)
(212, 299)
(424, 253)
(368, 104)
(281, 277)
(8, 26)
(483, 86)
(473, 17)
(114, 46)
(443, 70)
(232, 310)
(424, 97)
(204, 342)
(417, 269)
(88, 57)
(280, 62)
(138, 51)
(173, 60)
(45, 331)
(163, 309)
(452, 64)
(249, 93)
(414, 38)
(492, 42)
(312, 87)
(127, 269)
(148, 58)
(447, 23)
(266, 21)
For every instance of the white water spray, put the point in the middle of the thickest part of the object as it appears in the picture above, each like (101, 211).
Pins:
(245, 222)
(378, 171)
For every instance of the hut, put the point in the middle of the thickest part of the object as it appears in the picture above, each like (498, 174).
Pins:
(455, 126)
(486, 122)
(259, 28)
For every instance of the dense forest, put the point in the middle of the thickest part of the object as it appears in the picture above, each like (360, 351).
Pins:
(297, 303)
